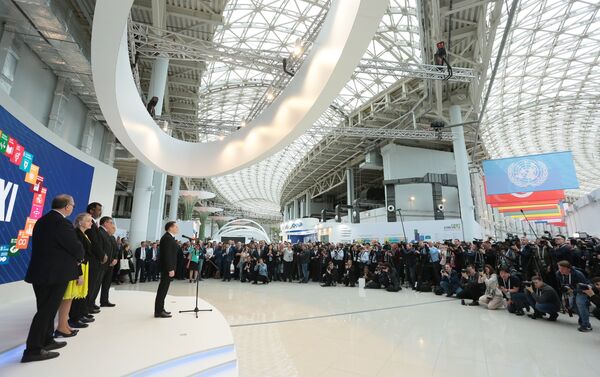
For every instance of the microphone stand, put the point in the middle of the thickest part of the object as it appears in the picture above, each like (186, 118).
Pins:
(196, 310)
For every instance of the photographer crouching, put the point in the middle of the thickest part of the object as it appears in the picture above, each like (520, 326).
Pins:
(572, 282)
(543, 298)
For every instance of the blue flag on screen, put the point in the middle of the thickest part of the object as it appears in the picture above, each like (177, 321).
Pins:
(540, 172)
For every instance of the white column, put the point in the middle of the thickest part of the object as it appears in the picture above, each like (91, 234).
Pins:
(87, 136)
(108, 150)
(5, 47)
(157, 206)
(296, 209)
(465, 197)
(121, 206)
(174, 198)
(308, 202)
(158, 82)
(350, 191)
(61, 96)
(141, 202)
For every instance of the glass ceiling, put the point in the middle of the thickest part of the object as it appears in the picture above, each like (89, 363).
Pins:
(275, 25)
(546, 96)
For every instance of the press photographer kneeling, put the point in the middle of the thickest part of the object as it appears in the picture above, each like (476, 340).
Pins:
(543, 298)
(572, 282)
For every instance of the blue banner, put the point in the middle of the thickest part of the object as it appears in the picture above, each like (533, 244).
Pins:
(541, 172)
(32, 172)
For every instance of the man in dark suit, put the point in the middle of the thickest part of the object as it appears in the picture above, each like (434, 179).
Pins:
(140, 263)
(99, 259)
(106, 230)
(166, 263)
(55, 254)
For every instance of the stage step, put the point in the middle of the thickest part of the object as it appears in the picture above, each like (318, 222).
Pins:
(219, 361)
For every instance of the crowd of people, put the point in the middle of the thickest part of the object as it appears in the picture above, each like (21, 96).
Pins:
(544, 277)
(74, 263)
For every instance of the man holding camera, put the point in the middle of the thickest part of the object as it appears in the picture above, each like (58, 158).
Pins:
(510, 286)
(572, 283)
(450, 281)
(543, 298)
(592, 292)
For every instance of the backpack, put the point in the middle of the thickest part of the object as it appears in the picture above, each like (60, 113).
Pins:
(424, 286)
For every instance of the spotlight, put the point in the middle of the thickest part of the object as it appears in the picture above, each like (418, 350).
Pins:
(243, 124)
(412, 198)
(270, 94)
(443, 200)
(298, 48)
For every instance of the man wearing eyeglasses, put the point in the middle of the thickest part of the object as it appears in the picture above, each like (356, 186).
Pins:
(55, 254)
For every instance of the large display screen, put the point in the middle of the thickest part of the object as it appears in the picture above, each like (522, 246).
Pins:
(32, 172)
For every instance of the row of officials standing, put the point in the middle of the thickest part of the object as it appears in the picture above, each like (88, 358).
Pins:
(71, 264)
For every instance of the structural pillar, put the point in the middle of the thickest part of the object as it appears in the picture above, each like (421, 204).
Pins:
(6, 60)
(61, 96)
(109, 147)
(296, 212)
(350, 191)
(308, 203)
(142, 195)
(144, 192)
(87, 137)
(157, 206)
(465, 197)
(174, 203)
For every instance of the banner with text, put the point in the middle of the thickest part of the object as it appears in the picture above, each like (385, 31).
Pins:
(32, 172)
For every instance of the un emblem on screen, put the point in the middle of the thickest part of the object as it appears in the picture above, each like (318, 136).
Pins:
(527, 173)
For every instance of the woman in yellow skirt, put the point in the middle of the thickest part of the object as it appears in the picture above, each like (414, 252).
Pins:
(77, 289)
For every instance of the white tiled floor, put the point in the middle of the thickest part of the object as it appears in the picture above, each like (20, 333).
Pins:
(427, 335)
(288, 329)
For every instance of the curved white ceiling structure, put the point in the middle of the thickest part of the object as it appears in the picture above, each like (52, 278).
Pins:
(240, 228)
(276, 25)
(348, 28)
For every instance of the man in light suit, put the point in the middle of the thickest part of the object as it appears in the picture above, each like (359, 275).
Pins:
(55, 255)
(167, 263)
(140, 263)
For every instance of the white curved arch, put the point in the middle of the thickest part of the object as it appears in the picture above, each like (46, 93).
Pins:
(239, 226)
(348, 28)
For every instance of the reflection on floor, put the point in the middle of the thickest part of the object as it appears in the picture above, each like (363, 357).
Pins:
(314, 331)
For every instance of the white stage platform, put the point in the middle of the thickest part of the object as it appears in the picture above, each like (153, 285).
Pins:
(128, 341)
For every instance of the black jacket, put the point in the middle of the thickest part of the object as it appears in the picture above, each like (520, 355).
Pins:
(55, 251)
(545, 295)
(167, 258)
(97, 248)
(87, 245)
(107, 245)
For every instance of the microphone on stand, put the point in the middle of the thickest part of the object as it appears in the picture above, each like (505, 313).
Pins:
(189, 238)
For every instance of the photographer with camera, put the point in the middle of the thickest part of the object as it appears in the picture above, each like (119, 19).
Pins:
(510, 286)
(330, 275)
(470, 287)
(411, 256)
(450, 281)
(543, 298)
(492, 299)
(562, 249)
(350, 276)
(572, 282)
(593, 292)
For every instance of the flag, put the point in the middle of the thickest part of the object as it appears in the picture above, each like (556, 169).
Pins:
(542, 172)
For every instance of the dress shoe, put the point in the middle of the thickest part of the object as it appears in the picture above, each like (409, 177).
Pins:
(60, 334)
(164, 311)
(108, 304)
(95, 311)
(86, 320)
(54, 345)
(89, 316)
(43, 355)
(77, 325)
(162, 315)
(96, 307)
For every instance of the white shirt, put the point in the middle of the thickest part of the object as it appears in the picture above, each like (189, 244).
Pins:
(209, 252)
(143, 253)
(288, 255)
(337, 254)
(364, 256)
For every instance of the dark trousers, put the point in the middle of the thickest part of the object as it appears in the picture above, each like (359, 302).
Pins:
(140, 270)
(106, 282)
(78, 309)
(151, 273)
(287, 271)
(95, 282)
(161, 293)
(340, 267)
(48, 299)
(262, 278)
